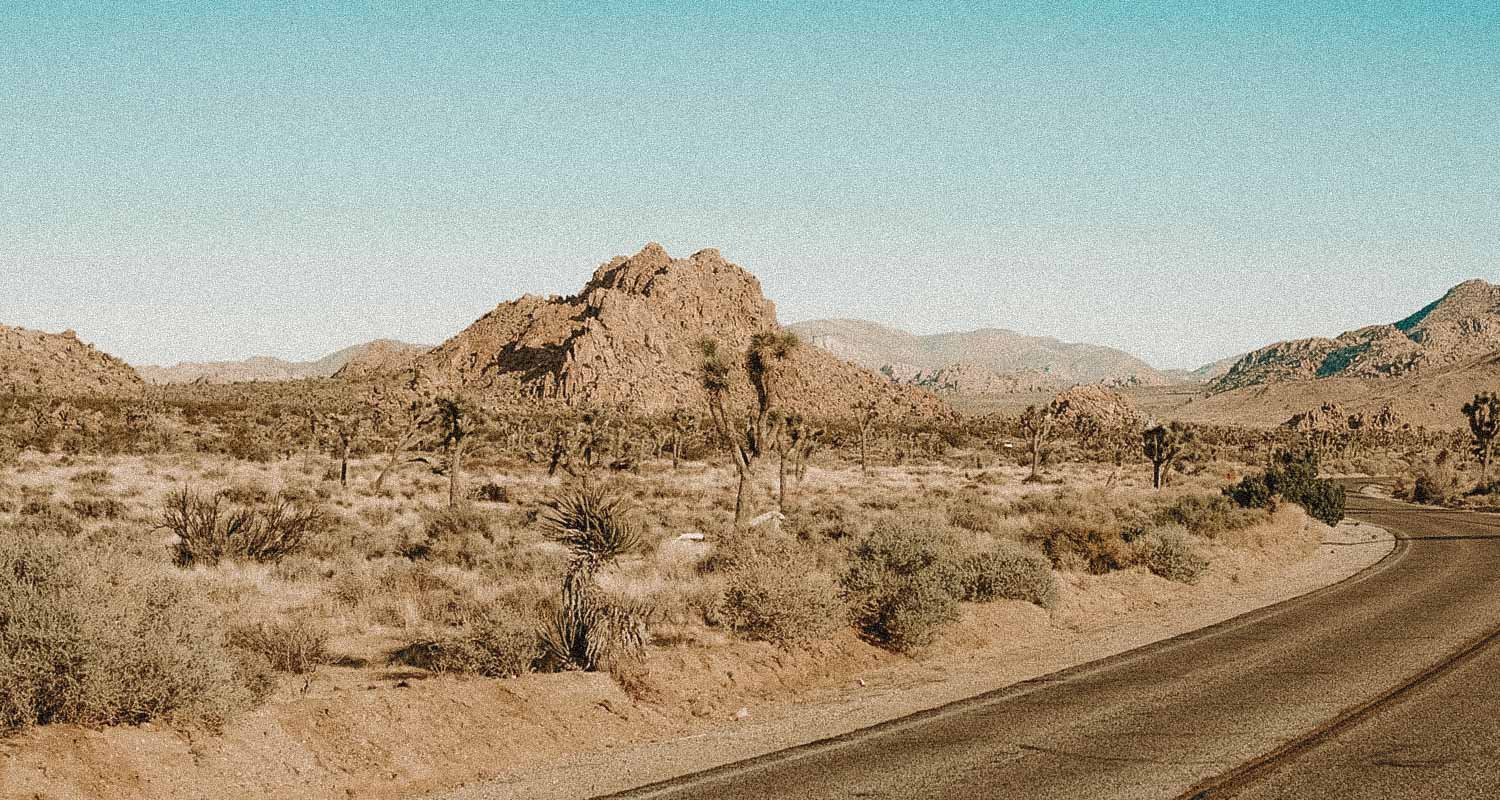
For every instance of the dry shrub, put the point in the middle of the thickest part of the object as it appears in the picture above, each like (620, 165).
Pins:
(294, 645)
(95, 478)
(822, 518)
(208, 531)
(1008, 572)
(1169, 553)
(771, 596)
(900, 583)
(90, 641)
(461, 536)
(1207, 515)
(1079, 545)
(972, 511)
(497, 646)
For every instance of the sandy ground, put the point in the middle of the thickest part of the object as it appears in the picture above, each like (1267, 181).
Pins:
(403, 733)
(1080, 631)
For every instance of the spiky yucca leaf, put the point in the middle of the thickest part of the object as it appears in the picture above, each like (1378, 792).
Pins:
(592, 524)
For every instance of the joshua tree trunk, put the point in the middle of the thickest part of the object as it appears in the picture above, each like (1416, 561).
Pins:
(1156, 475)
(344, 465)
(455, 472)
(390, 464)
(755, 494)
(781, 498)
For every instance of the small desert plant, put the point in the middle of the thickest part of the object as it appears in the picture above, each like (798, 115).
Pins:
(771, 596)
(454, 535)
(900, 584)
(490, 492)
(973, 512)
(1074, 543)
(1169, 552)
(293, 645)
(1208, 515)
(497, 646)
(93, 642)
(207, 530)
(1008, 572)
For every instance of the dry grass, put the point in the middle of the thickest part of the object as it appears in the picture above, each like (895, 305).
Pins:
(398, 578)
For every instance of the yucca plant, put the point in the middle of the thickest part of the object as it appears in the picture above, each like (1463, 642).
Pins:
(593, 525)
(587, 631)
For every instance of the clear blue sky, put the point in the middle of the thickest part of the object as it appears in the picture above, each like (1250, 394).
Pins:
(213, 180)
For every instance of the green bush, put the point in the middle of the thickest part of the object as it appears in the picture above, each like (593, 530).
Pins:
(1009, 572)
(1168, 552)
(771, 596)
(901, 585)
(92, 642)
(1294, 478)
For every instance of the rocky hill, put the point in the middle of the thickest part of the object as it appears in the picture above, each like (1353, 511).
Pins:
(1461, 326)
(359, 360)
(1002, 352)
(59, 364)
(630, 338)
(971, 380)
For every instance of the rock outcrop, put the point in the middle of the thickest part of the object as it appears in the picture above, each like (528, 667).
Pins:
(973, 380)
(33, 362)
(1463, 325)
(630, 339)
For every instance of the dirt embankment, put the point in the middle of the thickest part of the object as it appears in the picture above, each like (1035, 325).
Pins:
(708, 702)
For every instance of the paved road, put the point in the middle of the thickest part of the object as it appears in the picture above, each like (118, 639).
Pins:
(1379, 686)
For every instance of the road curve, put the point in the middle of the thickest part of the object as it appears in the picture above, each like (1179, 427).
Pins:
(1366, 688)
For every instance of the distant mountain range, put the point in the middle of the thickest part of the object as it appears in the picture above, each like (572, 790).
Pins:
(986, 360)
(1462, 325)
(381, 354)
(1419, 370)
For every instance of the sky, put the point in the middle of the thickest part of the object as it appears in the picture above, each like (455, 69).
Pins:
(1185, 181)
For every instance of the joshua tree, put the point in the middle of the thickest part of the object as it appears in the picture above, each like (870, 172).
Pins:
(343, 429)
(587, 631)
(683, 424)
(1163, 445)
(865, 413)
(457, 420)
(1484, 423)
(1037, 424)
(400, 423)
(794, 444)
(750, 439)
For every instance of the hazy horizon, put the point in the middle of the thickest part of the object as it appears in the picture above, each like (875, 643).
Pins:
(1176, 180)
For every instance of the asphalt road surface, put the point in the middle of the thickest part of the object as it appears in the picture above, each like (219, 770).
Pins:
(1380, 686)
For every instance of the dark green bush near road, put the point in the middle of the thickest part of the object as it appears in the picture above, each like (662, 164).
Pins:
(1008, 572)
(91, 642)
(1293, 478)
(901, 585)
